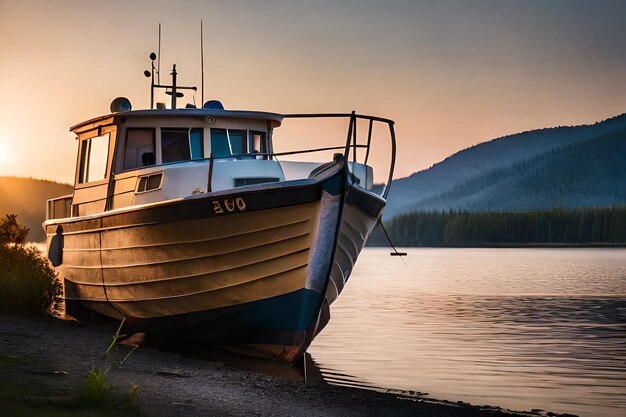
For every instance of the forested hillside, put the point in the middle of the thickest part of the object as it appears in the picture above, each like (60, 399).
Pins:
(439, 186)
(27, 197)
(585, 174)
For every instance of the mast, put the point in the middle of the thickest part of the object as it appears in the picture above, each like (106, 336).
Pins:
(202, 59)
(173, 93)
(173, 88)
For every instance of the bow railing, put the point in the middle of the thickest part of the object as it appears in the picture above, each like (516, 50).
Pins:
(351, 146)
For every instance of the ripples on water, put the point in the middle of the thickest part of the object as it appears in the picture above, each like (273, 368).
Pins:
(519, 328)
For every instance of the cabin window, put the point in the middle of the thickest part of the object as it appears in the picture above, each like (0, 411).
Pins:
(219, 143)
(181, 144)
(229, 142)
(94, 153)
(196, 143)
(257, 142)
(149, 183)
(237, 139)
(139, 150)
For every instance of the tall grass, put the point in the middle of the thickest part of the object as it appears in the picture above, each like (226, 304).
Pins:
(95, 388)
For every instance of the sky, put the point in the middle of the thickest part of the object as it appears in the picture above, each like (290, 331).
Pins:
(450, 73)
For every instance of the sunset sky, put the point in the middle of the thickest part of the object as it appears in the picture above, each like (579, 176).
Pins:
(450, 73)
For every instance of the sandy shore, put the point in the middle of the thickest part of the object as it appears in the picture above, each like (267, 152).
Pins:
(43, 360)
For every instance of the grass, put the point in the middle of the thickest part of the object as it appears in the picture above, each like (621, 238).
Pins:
(132, 393)
(114, 339)
(27, 389)
(23, 393)
(95, 389)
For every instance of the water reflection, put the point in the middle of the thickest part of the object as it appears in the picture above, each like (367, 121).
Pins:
(520, 328)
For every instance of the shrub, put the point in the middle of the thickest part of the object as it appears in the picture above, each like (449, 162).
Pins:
(11, 231)
(28, 284)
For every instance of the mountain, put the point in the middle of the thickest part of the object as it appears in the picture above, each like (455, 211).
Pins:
(27, 197)
(589, 173)
(518, 172)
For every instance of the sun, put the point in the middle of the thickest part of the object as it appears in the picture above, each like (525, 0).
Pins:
(5, 151)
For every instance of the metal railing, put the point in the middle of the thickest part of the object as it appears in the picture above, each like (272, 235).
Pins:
(351, 143)
(351, 140)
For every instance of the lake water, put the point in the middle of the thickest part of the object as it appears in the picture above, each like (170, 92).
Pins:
(518, 328)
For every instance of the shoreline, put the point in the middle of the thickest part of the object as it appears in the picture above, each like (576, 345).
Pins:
(512, 245)
(46, 358)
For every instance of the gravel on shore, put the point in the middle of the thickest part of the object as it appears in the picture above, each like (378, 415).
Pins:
(50, 358)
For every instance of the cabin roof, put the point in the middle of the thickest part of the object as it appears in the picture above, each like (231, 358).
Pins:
(275, 118)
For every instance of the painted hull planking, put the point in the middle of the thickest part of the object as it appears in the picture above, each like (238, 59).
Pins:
(168, 269)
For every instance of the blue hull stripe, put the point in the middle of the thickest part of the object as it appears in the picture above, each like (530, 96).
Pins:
(283, 319)
(292, 311)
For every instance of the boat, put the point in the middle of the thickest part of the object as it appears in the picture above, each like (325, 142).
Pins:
(186, 224)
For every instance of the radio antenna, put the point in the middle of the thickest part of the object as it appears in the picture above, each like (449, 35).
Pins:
(202, 60)
(159, 56)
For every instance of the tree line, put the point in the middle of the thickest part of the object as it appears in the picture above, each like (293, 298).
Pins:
(582, 226)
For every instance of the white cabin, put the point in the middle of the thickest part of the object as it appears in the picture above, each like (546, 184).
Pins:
(146, 156)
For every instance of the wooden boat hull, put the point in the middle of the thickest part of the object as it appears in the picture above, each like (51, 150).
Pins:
(252, 271)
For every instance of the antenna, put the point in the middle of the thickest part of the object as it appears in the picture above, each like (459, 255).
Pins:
(150, 74)
(202, 59)
(174, 87)
(159, 61)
